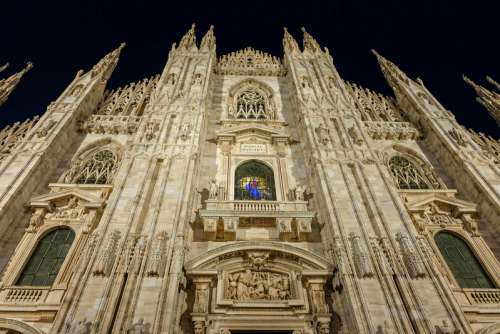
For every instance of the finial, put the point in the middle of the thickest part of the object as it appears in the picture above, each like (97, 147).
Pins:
(303, 29)
(29, 66)
(375, 52)
(122, 45)
(4, 67)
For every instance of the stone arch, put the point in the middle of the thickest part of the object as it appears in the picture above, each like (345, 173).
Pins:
(18, 326)
(308, 259)
(468, 254)
(88, 152)
(422, 166)
(257, 87)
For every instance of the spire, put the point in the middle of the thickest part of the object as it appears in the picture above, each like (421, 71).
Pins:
(391, 72)
(493, 82)
(289, 43)
(106, 65)
(9, 84)
(2, 68)
(309, 42)
(208, 41)
(489, 99)
(189, 39)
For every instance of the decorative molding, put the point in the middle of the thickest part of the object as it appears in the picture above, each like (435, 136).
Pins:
(249, 62)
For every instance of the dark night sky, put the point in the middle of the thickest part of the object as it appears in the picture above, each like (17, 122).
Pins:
(435, 40)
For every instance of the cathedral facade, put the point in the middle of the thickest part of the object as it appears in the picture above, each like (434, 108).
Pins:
(246, 193)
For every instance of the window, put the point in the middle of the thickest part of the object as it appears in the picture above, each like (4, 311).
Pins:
(97, 169)
(250, 104)
(46, 260)
(462, 262)
(406, 175)
(254, 181)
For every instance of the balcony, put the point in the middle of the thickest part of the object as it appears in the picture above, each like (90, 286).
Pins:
(286, 220)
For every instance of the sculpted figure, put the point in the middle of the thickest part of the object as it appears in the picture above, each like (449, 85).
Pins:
(82, 327)
(299, 193)
(139, 327)
(213, 190)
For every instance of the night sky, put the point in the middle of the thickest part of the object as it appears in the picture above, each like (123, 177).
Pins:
(435, 40)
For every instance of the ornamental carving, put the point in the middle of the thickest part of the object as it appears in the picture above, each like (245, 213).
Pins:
(72, 210)
(257, 285)
(361, 257)
(250, 62)
(412, 260)
(11, 136)
(458, 137)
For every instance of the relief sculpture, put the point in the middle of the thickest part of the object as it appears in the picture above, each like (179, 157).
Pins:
(257, 285)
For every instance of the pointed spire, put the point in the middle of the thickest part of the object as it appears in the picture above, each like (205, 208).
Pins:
(208, 41)
(9, 84)
(2, 68)
(493, 82)
(489, 99)
(289, 43)
(106, 65)
(309, 43)
(391, 72)
(189, 39)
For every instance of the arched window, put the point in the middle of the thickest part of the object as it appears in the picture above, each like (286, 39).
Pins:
(97, 168)
(462, 262)
(406, 175)
(46, 260)
(254, 181)
(250, 104)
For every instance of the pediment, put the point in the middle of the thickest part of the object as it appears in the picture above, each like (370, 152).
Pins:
(256, 130)
(264, 254)
(86, 198)
(459, 206)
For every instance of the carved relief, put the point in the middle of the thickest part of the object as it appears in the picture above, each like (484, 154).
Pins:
(106, 257)
(156, 263)
(361, 257)
(250, 62)
(257, 285)
(411, 259)
(72, 210)
(458, 137)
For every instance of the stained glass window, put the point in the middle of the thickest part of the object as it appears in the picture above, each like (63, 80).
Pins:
(254, 181)
(462, 262)
(406, 175)
(46, 260)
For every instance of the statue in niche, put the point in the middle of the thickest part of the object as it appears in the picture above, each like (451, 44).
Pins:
(213, 189)
(323, 134)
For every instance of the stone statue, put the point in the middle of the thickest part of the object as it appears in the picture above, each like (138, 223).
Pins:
(139, 327)
(213, 189)
(299, 193)
(82, 327)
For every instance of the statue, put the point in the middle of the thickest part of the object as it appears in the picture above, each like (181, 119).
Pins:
(139, 327)
(213, 189)
(82, 327)
(299, 193)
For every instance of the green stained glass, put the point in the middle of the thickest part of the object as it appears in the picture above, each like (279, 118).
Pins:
(46, 260)
(462, 262)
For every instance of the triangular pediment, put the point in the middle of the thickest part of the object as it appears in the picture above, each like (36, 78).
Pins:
(436, 198)
(86, 198)
(252, 129)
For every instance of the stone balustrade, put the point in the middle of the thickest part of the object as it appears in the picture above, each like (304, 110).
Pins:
(24, 295)
(483, 296)
(391, 130)
(227, 220)
(111, 124)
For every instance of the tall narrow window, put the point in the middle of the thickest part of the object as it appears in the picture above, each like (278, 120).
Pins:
(406, 175)
(46, 260)
(462, 262)
(254, 181)
(251, 105)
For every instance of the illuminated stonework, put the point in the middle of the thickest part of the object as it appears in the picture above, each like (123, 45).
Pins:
(247, 192)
